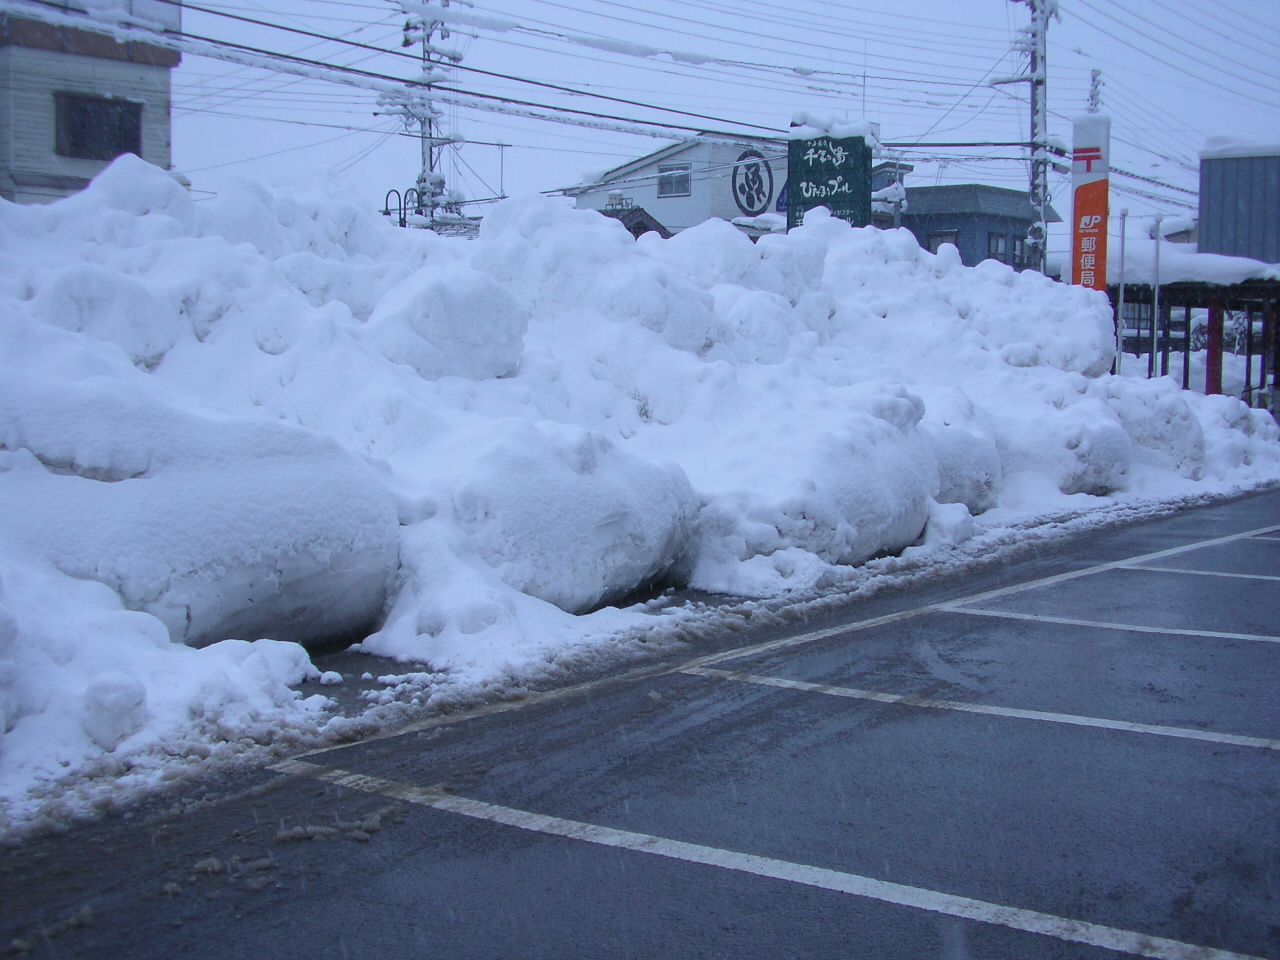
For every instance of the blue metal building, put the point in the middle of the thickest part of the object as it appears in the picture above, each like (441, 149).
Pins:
(984, 222)
(1240, 200)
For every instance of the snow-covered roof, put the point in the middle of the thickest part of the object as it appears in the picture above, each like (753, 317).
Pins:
(973, 198)
(1224, 146)
(144, 13)
(665, 153)
(1178, 264)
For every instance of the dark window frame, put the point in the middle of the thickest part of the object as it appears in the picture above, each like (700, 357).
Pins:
(92, 127)
(675, 180)
(937, 238)
(998, 247)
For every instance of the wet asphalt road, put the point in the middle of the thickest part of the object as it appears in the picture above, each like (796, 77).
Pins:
(1094, 759)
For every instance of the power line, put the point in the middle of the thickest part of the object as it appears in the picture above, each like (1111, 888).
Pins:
(456, 66)
(749, 33)
(1251, 23)
(384, 83)
(556, 31)
(1158, 183)
(1212, 66)
(1239, 38)
(1148, 53)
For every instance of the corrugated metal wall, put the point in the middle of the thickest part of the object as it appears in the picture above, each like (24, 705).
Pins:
(1240, 207)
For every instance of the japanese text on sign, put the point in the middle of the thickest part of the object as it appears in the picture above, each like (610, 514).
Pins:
(835, 174)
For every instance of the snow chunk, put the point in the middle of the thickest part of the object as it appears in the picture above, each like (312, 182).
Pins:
(216, 528)
(450, 322)
(115, 706)
(568, 517)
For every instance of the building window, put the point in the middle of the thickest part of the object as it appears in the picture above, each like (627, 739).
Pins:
(674, 181)
(1019, 251)
(97, 128)
(998, 247)
(940, 237)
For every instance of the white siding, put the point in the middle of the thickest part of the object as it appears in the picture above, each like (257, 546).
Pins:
(640, 186)
(711, 194)
(29, 79)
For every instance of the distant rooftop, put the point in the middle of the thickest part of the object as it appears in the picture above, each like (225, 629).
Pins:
(972, 198)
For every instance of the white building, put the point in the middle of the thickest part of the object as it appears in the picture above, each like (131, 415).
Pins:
(686, 183)
(72, 99)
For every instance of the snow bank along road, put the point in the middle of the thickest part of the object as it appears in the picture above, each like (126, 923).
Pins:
(1075, 756)
(234, 426)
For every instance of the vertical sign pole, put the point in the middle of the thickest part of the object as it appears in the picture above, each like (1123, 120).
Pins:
(1248, 355)
(1124, 217)
(1270, 353)
(1186, 350)
(1155, 303)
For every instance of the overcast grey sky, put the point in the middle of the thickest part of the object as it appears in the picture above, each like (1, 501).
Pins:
(1175, 72)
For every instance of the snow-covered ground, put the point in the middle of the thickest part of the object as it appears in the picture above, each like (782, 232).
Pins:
(275, 415)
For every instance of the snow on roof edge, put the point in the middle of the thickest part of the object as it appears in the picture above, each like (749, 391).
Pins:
(1224, 146)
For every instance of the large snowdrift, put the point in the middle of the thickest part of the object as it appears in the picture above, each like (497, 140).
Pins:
(275, 415)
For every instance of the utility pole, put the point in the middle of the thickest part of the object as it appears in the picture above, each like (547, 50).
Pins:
(1095, 90)
(430, 179)
(1037, 236)
(1033, 41)
(415, 107)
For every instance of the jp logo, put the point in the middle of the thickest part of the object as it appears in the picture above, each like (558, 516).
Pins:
(752, 183)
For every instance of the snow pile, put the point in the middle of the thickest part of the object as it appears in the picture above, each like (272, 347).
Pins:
(275, 415)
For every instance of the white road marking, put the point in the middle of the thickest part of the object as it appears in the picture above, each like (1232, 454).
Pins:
(1209, 573)
(1260, 537)
(769, 646)
(1184, 733)
(1113, 565)
(950, 605)
(1107, 625)
(1015, 918)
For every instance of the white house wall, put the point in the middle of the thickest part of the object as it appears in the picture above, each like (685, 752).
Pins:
(711, 188)
(723, 202)
(29, 78)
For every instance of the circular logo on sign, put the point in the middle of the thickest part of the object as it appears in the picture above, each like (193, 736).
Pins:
(752, 183)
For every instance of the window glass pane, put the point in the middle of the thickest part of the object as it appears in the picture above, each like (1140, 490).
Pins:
(97, 128)
(936, 240)
(674, 181)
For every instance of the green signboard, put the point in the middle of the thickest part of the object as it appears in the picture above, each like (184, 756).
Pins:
(825, 172)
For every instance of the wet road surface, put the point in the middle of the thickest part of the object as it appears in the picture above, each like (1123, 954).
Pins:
(1076, 756)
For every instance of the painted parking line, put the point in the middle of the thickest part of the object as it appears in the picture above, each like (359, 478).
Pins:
(1209, 573)
(769, 646)
(953, 605)
(1014, 918)
(910, 700)
(1112, 565)
(1106, 624)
